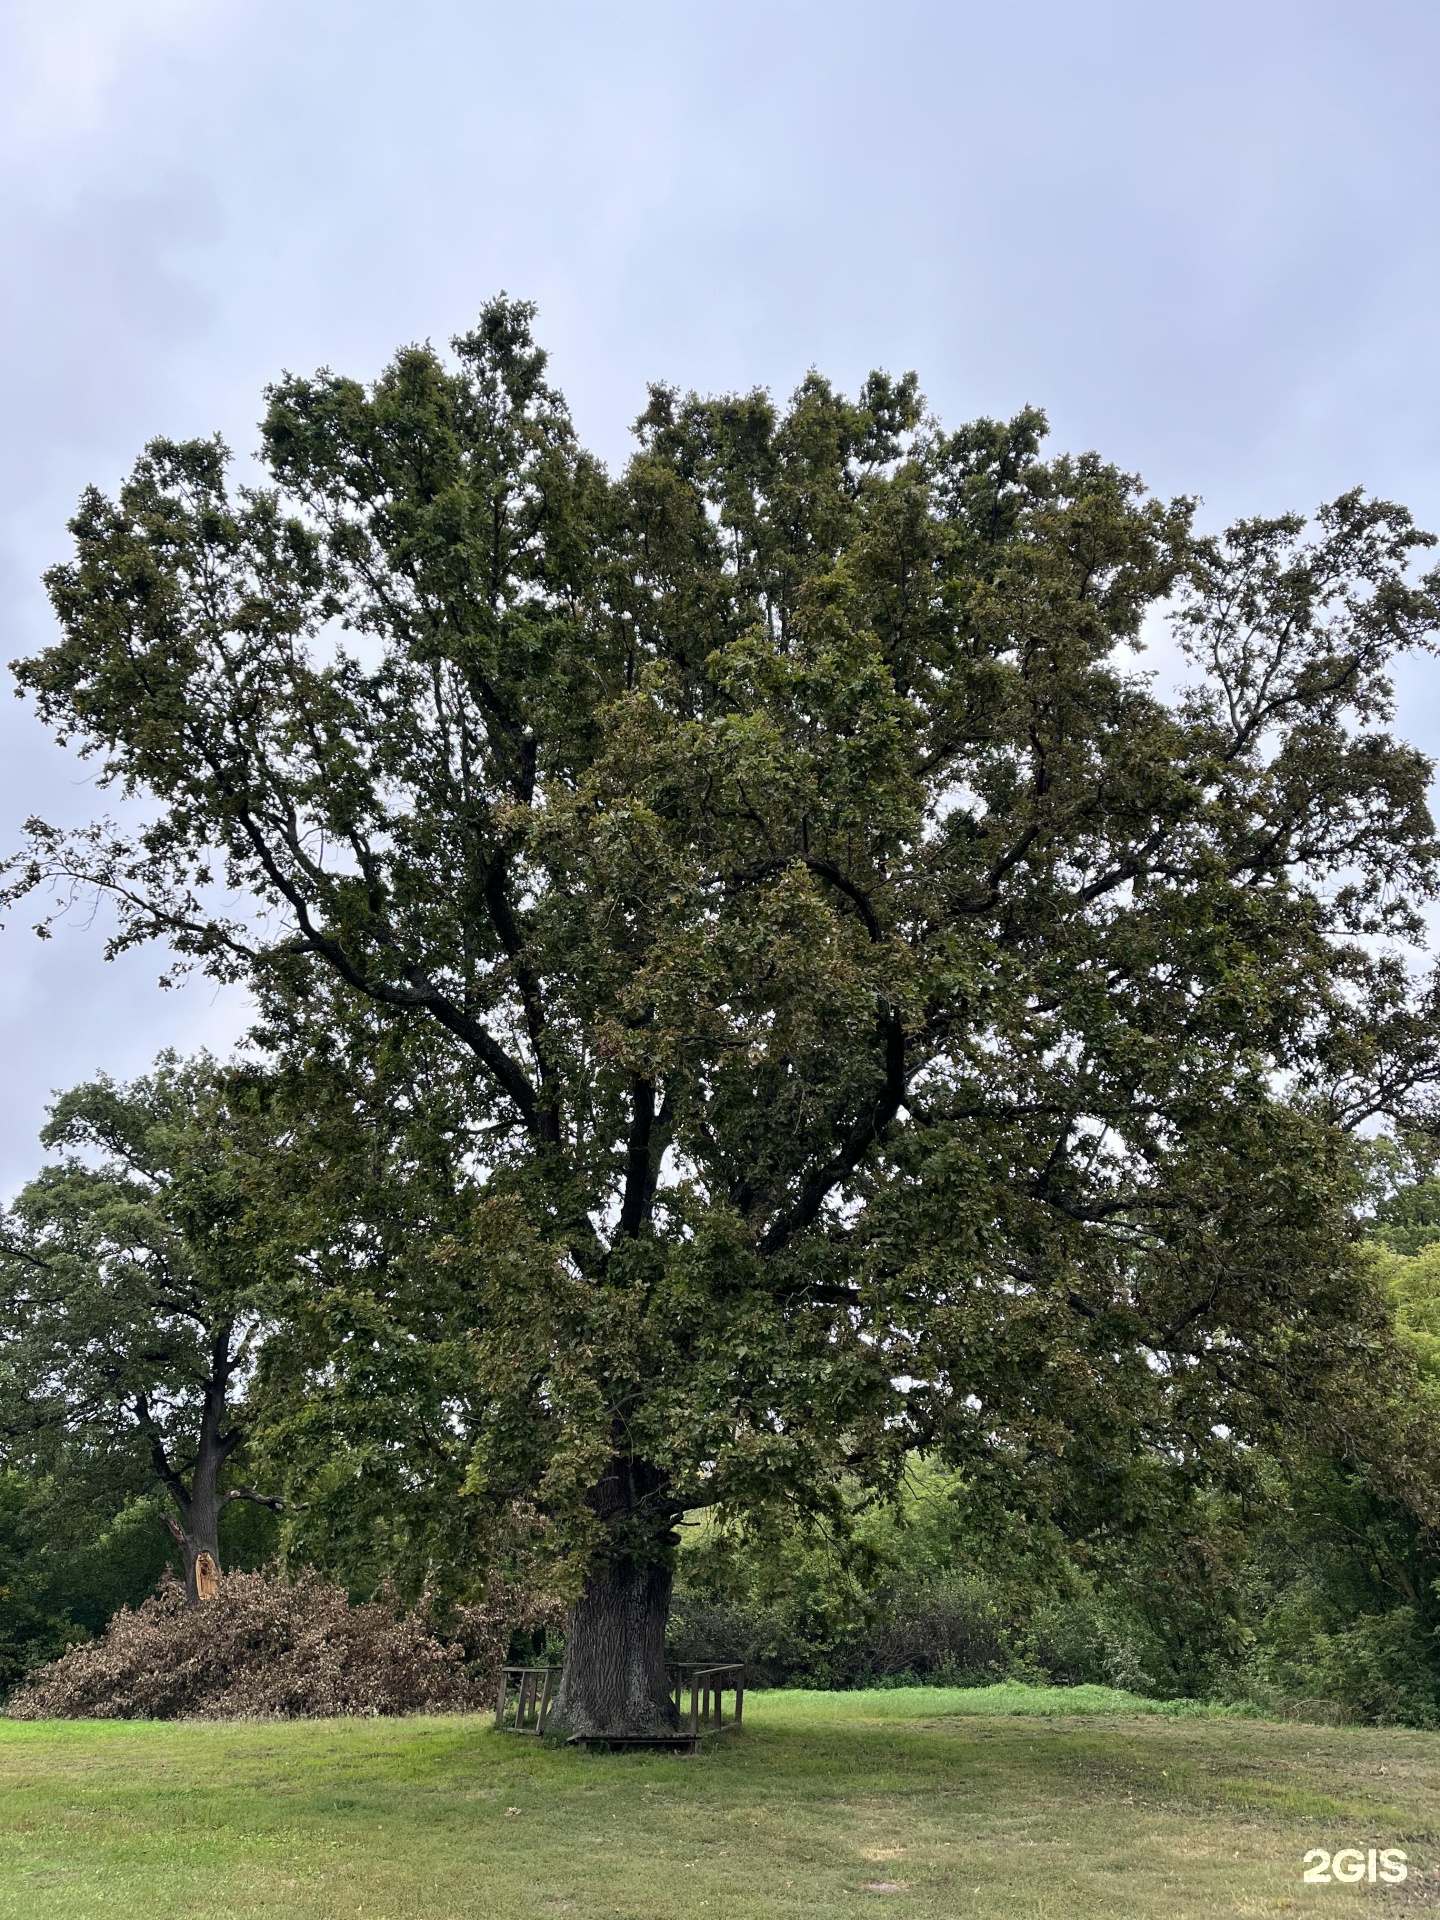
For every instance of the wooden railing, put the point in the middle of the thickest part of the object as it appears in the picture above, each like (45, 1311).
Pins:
(535, 1689)
(534, 1693)
(708, 1686)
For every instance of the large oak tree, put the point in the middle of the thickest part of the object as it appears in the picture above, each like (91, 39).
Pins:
(869, 1014)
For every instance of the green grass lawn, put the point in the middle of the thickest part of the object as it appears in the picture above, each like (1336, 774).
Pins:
(926, 1802)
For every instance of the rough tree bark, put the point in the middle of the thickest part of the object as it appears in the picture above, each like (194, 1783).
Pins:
(614, 1681)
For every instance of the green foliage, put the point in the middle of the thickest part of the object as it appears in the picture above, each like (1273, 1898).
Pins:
(53, 1592)
(830, 1006)
(1341, 1584)
(124, 1260)
(1412, 1281)
(1409, 1220)
(941, 1587)
(1343, 1601)
(369, 1414)
(137, 1292)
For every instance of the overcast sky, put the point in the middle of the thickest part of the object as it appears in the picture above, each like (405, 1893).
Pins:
(1202, 236)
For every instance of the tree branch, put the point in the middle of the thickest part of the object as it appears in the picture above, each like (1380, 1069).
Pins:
(639, 1163)
(867, 1129)
(271, 1500)
(160, 1460)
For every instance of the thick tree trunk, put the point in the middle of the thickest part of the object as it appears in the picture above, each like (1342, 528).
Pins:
(614, 1681)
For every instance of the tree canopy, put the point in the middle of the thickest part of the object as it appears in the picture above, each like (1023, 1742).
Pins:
(859, 1011)
(135, 1299)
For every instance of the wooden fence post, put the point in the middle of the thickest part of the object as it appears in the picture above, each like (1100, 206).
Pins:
(544, 1714)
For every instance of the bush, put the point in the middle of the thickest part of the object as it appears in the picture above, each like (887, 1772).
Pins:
(264, 1648)
(1083, 1641)
(952, 1630)
(1379, 1669)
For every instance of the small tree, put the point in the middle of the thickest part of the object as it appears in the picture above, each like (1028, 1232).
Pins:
(866, 1015)
(134, 1305)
